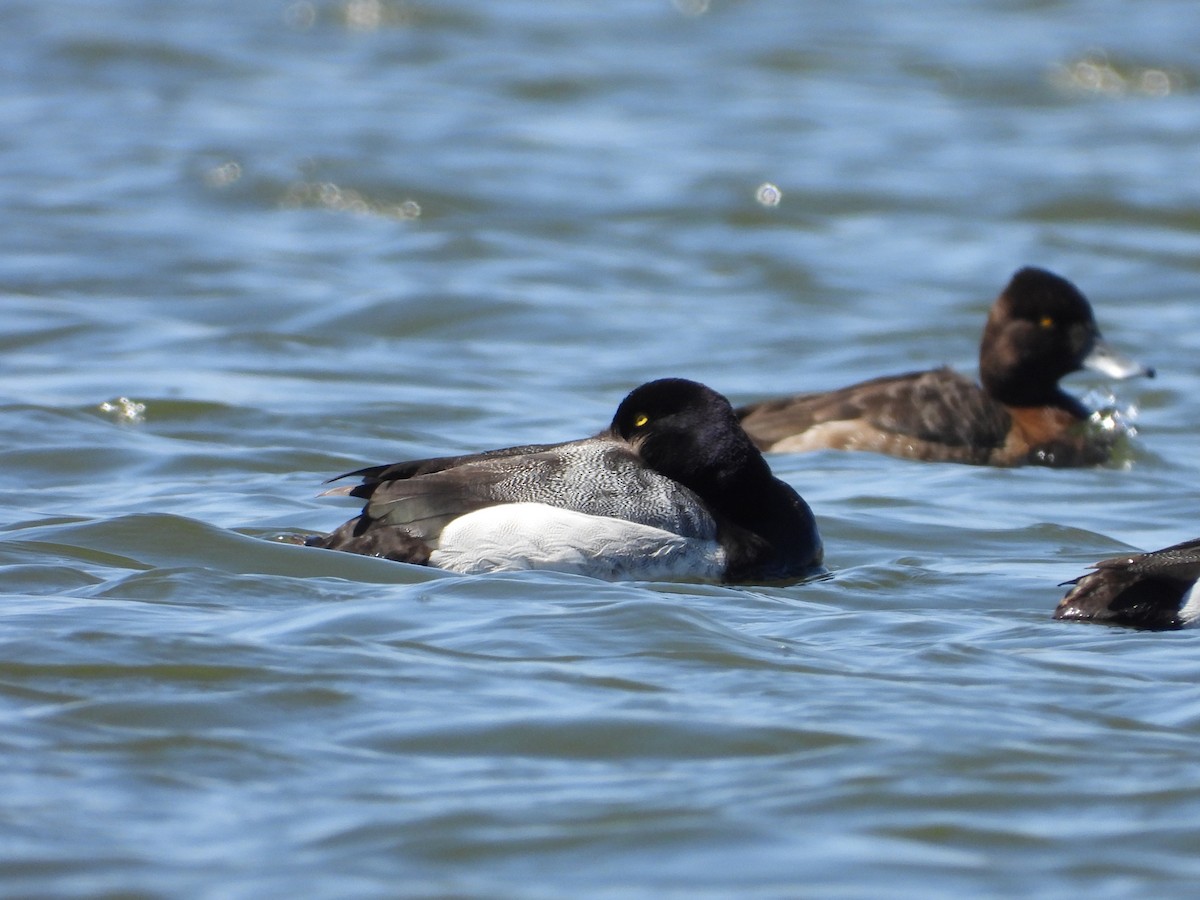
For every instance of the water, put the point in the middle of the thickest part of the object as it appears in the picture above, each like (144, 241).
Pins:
(250, 246)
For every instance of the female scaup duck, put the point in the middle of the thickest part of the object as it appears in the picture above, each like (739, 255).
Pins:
(1147, 590)
(672, 489)
(1039, 329)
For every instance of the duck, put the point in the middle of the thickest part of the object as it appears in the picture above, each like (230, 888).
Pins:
(673, 489)
(1153, 591)
(1040, 329)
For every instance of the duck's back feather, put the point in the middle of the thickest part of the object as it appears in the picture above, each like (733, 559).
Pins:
(593, 476)
(935, 412)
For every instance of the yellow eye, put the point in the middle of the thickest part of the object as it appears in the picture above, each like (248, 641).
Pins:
(640, 420)
(1046, 322)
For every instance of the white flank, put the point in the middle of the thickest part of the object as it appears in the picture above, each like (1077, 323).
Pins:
(518, 536)
(1190, 611)
(848, 434)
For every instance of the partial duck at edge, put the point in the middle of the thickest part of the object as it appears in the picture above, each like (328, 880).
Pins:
(1155, 591)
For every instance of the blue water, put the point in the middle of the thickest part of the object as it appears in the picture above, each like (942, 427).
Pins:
(253, 245)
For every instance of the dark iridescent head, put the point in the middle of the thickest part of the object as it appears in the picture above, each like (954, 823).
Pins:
(684, 430)
(1040, 329)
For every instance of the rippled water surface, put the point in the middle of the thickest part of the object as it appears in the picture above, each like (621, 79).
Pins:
(252, 245)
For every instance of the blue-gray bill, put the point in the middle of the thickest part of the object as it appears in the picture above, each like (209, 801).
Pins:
(1107, 360)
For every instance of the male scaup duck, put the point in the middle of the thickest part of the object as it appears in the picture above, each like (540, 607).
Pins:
(1155, 591)
(1039, 329)
(673, 488)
